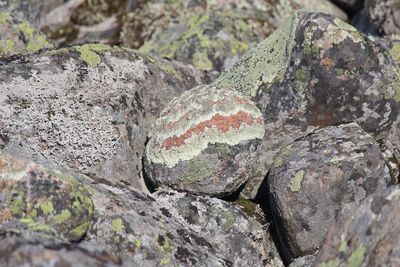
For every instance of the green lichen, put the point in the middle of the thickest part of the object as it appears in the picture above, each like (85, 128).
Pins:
(395, 53)
(138, 243)
(264, 64)
(36, 40)
(285, 152)
(17, 202)
(295, 183)
(196, 172)
(247, 205)
(357, 257)
(89, 53)
(201, 60)
(47, 207)
(63, 217)
(343, 246)
(332, 263)
(4, 17)
(7, 46)
(393, 194)
(117, 225)
(35, 226)
(80, 230)
(164, 261)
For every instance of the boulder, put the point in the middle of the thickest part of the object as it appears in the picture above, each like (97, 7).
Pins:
(315, 177)
(315, 71)
(205, 142)
(367, 235)
(87, 109)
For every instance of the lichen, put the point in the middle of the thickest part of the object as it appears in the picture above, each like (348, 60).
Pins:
(264, 64)
(90, 53)
(47, 207)
(117, 225)
(295, 183)
(285, 152)
(61, 218)
(332, 263)
(357, 257)
(395, 53)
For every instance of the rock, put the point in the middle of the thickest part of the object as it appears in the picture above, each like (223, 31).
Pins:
(20, 246)
(175, 230)
(306, 261)
(204, 142)
(322, 6)
(314, 71)
(19, 37)
(80, 21)
(312, 179)
(87, 109)
(211, 35)
(383, 15)
(349, 5)
(367, 235)
(43, 198)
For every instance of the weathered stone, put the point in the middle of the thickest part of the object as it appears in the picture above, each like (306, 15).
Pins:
(367, 235)
(315, 71)
(176, 230)
(204, 142)
(87, 108)
(43, 199)
(305, 261)
(21, 246)
(384, 15)
(211, 35)
(19, 37)
(312, 179)
(82, 21)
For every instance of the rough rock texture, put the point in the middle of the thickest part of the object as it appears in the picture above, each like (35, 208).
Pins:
(205, 142)
(367, 235)
(211, 35)
(87, 108)
(176, 230)
(83, 21)
(384, 15)
(315, 71)
(22, 246)
(19, 37)
(43, 198)
(312, 179)
(306, 261)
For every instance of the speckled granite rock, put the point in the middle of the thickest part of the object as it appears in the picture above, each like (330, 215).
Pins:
(312, 179)
(315, 71)
(305, 261)
(205, 142)
(19, 37)
(43, 199)
(175, 230)
(211, 35)
(87, 108)
(367, 235)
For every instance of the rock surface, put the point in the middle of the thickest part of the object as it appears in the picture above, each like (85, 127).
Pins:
(383, 15)
(315, 71)
(211, 35)
(19, 37)
(312, 179)
(174, 229)
(87, 108)
(43, 198)
(205, 142)
(367, 235)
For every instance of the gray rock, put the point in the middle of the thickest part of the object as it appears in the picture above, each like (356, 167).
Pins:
(205, 142)
(315, 71)
(314, 178)
(176, 230)
(367, 235)
(88, 108)
(43, 199)
(384, 15)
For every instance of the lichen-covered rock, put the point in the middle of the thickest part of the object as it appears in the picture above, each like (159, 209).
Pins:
(312, 179)
(367, 235)
(383, 15)
(19, 37)
(315, 71)
(87, 108)
(176, 230)
(211, 35)
(43, 198)
(205, 142)
(22, 246)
